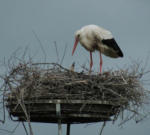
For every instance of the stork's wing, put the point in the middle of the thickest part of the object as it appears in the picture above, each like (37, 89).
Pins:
(111, 43)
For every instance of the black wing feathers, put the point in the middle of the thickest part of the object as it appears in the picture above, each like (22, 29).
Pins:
(111, 43)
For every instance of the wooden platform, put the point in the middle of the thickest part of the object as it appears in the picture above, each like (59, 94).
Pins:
(68, 111)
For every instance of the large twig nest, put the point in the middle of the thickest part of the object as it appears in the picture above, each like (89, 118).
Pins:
(34, 88)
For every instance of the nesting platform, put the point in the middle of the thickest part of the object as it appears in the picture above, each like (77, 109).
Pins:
(68, 111)
(54, 93)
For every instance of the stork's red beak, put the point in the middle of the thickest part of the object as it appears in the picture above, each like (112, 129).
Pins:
(75, 45)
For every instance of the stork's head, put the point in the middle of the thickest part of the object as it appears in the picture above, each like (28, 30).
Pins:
(77, 39)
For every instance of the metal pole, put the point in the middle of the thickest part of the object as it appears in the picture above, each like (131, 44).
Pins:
(58, 113)
(59, 128)
(68, 129)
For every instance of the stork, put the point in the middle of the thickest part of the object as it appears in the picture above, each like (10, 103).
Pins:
(93, 37)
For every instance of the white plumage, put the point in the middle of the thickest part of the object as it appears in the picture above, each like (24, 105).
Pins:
(94, 29)
(93, 37)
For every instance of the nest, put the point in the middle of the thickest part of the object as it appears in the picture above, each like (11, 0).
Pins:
(46, 92)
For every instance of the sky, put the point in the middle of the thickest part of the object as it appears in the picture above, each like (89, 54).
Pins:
(57, 21)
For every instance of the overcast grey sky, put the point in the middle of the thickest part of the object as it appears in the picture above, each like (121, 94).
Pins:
(55, 20)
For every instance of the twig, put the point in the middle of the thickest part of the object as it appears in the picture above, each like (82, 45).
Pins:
(25, 128)
(11, 132)
(62, 59)
(40, 43)
(3, 107)
(127, 119)
(54, 64)
(104, 123)
(55, 44)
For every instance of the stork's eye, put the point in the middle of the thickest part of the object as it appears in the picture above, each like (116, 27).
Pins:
(78, 36)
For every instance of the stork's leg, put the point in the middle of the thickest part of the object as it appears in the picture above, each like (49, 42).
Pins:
(91, 61)
(101, 62)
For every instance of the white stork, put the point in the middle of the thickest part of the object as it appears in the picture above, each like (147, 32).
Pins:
(93, 37)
